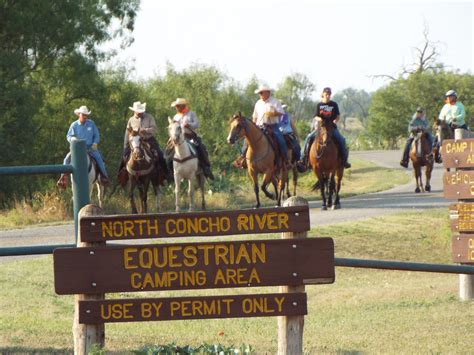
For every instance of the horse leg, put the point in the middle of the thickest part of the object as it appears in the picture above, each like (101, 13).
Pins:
(428, 170)
(281, 184)
(143, 197)
(417, 172)
(295, 180)
(100, 193)
(191, 193)
(253, 176)
(202, 181)
(332, 187)
(324, 181)
(339, 174)
(157, 191)
(130, 195)
(267, 177)
(176, 190)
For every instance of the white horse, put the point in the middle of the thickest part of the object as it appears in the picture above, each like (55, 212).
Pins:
(186, 165)
(94, 179)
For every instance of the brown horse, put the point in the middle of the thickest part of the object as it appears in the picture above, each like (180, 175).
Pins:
(327, 165)
(141, 171)
(261, 157)
(421, 155)
(292, 169)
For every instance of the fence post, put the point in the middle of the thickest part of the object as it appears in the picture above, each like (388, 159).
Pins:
(290, 328)
(87, 335)
(80, 181)
(465, 281)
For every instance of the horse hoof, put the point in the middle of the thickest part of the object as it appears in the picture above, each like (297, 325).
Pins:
(417, 190)
(428, 188)
(324, 208)
(336, 206)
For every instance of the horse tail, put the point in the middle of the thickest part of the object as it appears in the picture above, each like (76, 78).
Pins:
(315, 186)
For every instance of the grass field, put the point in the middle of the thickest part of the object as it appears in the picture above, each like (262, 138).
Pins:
(364, 311)
(233, 192)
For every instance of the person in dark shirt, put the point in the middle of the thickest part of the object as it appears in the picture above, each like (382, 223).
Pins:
(327, 111)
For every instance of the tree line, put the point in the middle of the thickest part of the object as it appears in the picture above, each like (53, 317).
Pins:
(49, 65)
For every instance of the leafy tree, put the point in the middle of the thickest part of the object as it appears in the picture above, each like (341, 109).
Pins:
(48, 61)
(296, 91)
(353, 103)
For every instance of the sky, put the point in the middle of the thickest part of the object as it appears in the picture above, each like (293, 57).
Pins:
(336, 44)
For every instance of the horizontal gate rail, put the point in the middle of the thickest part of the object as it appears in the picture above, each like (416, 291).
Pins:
(32, 249)
(36, 169)
(404, 266)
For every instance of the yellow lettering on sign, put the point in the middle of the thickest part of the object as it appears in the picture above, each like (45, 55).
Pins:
(279, 302)
(456, 147)
(270, 220)
(471, 255)
(150, 309)
(116, 311)
(167, 279)
(239, 276)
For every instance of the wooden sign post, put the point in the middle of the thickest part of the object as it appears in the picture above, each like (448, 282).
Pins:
(459, 184)
(93, 269)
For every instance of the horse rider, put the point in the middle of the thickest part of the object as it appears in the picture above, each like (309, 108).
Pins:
(419, 122)
(327, 111)
(145, 124)
(85, 129)
(189, 123)
(453, 112)
(266, 114)
(288, 128)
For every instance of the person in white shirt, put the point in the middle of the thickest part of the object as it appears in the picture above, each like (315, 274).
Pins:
(189, 123)
(266, 114)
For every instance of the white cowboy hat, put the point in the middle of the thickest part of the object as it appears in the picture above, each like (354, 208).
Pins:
(179, 101)
(284, 105)
(451, 93)
(83, 110)
(263, 88)
(138, 107)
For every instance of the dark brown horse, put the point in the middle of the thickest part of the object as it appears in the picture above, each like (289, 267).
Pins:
(260, 157)
(327, 165)
(421, 155)
(141, 171)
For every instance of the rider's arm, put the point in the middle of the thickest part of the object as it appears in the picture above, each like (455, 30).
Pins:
(192, 120)
(459, 115)
(151, 125)
(95, 134)
(70, 133)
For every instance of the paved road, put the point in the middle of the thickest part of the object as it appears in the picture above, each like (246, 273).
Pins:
(397, 199)
(400, 198)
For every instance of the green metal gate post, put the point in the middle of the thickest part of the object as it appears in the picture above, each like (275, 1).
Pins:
(80, 184)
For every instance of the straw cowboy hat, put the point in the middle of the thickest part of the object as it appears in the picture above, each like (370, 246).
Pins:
(179, 101)
(83, 110)
(263, 88)
(138, 107)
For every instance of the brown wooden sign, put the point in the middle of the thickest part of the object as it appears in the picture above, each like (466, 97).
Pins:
(263, 220)
(463, 248)
(459, 184)
(202, 307)
(461, 216)
(458, 154)
(158, 267)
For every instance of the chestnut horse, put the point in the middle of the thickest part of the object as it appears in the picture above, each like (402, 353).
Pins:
(141, 171)
(421, 155)
(261, 157)
(327, 165)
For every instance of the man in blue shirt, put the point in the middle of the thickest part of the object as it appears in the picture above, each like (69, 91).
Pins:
(85, 129)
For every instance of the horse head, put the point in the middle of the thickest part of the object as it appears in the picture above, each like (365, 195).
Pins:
(175, 132)
(135, 142)
(238, 126)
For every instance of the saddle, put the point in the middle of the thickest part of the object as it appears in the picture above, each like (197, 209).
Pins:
(268, 133)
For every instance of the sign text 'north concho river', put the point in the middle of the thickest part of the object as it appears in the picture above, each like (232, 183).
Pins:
(264, 220)
(205, 307)
(459, 184)
(463, 248)
(458, 154)
(156, 267)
